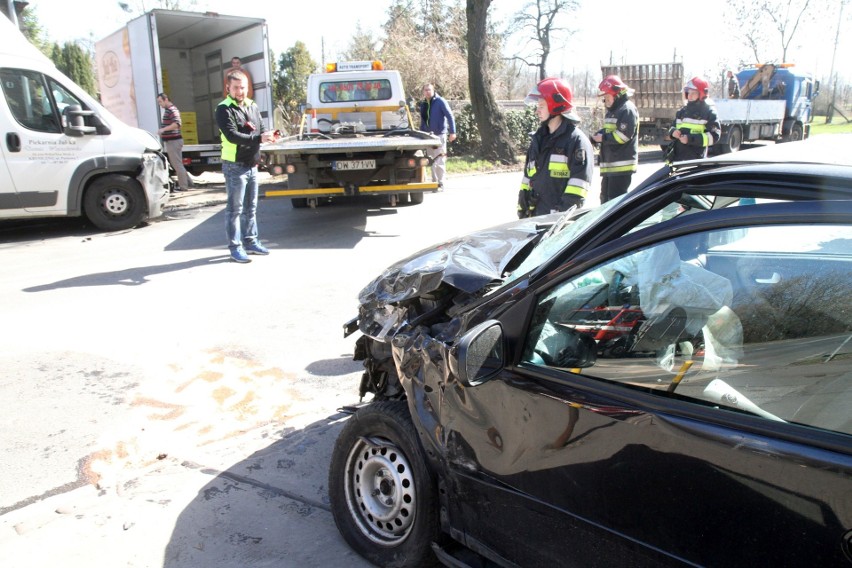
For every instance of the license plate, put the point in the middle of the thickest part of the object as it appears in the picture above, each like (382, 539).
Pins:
(214, 160)
(354, 165)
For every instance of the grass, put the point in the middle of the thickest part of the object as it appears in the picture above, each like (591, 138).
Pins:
(471, 165)
(838, 125)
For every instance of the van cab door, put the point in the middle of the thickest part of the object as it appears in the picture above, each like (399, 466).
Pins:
(41, 159)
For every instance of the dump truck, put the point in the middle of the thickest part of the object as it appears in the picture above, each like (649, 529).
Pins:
(356, 137)
(775, 102)
(184, 55)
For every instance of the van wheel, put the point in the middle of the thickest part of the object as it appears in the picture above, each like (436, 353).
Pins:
(415, 197)
(383, 496)
(114, 203)
(299, 202)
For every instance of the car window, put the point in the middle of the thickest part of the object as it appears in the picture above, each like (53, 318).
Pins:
(566, 230)
(62, 97)
(751, 319)
(26, 94)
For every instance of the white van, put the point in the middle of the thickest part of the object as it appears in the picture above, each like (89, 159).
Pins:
(63, 154)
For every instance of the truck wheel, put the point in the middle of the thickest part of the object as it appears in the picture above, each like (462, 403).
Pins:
(299, 202)
(416, 198)
(383, 496)
(735, 139)
(797, 133)
(114, 203)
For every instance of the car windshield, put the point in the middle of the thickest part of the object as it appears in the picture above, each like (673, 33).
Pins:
(559, 236)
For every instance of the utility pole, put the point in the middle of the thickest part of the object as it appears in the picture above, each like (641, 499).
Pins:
(830, 114)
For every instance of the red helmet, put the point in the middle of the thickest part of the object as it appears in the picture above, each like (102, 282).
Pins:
(698, 84)
(558, 96)
(613, 85)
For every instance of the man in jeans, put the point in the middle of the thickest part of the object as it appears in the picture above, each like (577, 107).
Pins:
(242, 131)
(437, 118)
(173, 139)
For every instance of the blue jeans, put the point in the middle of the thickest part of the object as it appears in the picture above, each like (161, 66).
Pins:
(241, 212)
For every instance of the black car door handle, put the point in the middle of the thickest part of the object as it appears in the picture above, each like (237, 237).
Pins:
(13, 142)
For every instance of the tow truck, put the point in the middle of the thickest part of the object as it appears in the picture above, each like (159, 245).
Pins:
(356, 137)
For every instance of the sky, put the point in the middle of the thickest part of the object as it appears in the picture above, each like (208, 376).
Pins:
(626, 31)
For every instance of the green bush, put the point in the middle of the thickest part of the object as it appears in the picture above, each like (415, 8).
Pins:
(520, 123)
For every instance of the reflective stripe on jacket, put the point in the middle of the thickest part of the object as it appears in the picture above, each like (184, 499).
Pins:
(697, 119)
(240, 128)
(620, 138)
(557, 164)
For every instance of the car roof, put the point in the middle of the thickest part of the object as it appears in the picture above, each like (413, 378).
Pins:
(825, 149)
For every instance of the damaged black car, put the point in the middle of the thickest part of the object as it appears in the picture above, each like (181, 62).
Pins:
(712, 427)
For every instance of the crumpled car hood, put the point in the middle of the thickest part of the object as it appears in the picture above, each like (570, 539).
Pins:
(467, 263)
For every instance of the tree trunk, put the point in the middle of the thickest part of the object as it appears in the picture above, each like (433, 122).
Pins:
(496, 143)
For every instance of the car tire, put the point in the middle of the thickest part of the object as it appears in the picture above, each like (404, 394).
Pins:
(415, 197)
(383, 495)
(114, 203)
(299, 202)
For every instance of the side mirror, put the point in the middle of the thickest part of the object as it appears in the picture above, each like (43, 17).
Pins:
(74, 121)
(479, 354)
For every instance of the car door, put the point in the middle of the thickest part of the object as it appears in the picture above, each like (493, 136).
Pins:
(723, 435)
(39, 156)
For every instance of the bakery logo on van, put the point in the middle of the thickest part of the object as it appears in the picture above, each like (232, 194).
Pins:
(110, 69)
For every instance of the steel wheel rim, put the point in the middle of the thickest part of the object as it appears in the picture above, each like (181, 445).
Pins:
(115, 202)
(380, 491)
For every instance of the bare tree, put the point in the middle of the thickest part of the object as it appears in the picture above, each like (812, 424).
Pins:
(427, 49)
(764, 22)
(540, 18)
(362, 46)
(496, 143)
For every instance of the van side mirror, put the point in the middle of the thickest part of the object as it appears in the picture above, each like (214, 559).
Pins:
(479, 354)
(74, 121)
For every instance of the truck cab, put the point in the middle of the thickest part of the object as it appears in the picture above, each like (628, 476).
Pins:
(63, 154)
(782, 83)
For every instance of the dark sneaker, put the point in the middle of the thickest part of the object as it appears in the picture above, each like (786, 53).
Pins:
(239, 255)
(256, 248)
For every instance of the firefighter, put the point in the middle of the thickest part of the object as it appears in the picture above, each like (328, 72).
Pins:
(558, 168)
(618, 139)
(696, 127)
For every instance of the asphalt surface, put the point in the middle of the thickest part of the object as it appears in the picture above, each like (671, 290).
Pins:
(145, 508)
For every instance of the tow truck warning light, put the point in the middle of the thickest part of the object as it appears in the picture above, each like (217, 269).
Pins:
(354, 66)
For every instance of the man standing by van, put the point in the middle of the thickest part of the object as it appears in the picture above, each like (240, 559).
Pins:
(242, 131)
(173, 139)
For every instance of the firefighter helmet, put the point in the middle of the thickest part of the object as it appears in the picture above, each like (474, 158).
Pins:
(698, 84)
(558, 96)
(613, 85)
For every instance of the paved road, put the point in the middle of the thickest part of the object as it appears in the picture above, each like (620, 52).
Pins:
(166, 407)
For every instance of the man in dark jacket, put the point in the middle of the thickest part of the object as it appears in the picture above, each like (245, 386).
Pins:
(696, 127)
(242, 131)
(559, 165)
(437, 118)
(619, 138)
